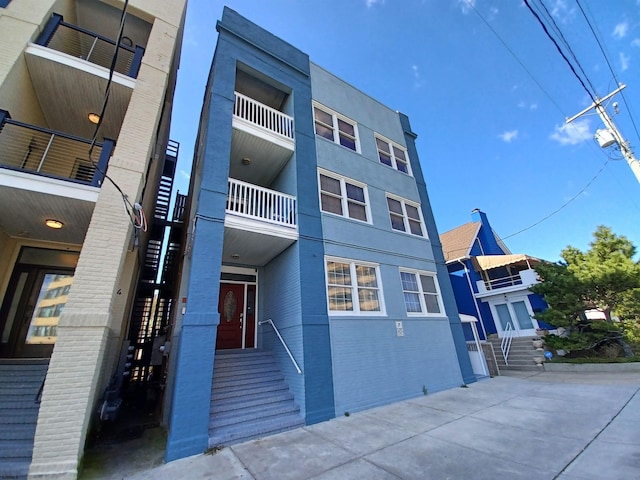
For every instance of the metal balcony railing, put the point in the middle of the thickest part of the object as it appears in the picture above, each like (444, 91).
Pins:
(260, 203)
(33, 149)
(263, 116)
(78, 42)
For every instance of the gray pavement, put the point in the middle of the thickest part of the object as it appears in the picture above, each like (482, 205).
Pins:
(549, 425)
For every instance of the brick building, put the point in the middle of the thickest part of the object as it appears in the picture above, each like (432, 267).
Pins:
(70, 255)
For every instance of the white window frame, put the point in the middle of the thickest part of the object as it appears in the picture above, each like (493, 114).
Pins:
(423, 306)
(344, 199)
(405, 216)
(354, 288)
(335, 116)
(391, 145)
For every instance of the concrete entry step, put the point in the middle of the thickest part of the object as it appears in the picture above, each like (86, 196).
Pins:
(250, 398)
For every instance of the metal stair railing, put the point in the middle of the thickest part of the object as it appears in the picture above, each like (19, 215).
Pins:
(295, 364)
(505, 343)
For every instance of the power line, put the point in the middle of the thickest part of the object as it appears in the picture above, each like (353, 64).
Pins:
(606, 57)
(567, 46)
(546, 31)
(562, 206)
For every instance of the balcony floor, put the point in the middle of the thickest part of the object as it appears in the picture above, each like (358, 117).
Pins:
(254, 242)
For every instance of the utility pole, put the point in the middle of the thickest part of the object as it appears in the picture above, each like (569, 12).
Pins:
(610, 134)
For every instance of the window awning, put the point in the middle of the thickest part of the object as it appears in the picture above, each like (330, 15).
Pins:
(487, 262)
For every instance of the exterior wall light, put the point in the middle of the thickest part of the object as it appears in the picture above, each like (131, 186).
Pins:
(94, 118)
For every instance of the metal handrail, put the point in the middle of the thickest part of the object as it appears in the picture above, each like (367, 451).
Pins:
(50, 153)
(295, 364)
(505, 343)
(91, 46)
(502, 282)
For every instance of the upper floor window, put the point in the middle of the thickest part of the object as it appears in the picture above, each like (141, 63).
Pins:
(343, 196)
(353, 287)
(405, 216)
(392, 154)
(421, 293)
(335, 127)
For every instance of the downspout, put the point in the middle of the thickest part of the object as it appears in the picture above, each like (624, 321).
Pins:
(475, 300)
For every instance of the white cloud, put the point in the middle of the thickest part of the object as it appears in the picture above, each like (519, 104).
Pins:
(621, 30)
(635, 42)
(533, 106)
(509, 136)
(371, 3)
(417, 79)
(572, 133)
(530, 106)
(467, 5)
(560, 10)
(624, 61)
(184, 174)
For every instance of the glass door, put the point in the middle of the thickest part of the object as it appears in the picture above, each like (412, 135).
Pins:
(34, 300)
(516, 313)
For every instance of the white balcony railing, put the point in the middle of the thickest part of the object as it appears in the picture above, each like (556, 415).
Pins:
(524, 277)
(258, 203)
(263, 116)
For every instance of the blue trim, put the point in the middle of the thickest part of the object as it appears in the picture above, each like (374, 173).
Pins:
(441, 269)
(49, 30)
(136, 62)
(4, 3)
(105, 154)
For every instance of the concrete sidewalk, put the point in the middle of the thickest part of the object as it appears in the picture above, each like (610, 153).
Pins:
(541, 426)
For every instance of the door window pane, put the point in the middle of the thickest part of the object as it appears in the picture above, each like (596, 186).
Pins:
(48, 308)
(504, 315)
(522, 314)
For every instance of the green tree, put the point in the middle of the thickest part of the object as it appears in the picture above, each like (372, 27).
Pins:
(604, 277)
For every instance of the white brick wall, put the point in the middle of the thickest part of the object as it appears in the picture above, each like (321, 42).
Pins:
(92, 321)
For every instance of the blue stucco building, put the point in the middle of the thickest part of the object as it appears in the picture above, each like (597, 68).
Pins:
(312, 250)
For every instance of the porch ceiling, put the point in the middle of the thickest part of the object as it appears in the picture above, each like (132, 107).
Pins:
(244, 247)
(69, 88)
(266, 158)
(25, 210)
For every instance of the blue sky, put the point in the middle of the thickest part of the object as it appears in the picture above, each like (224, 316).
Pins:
(487, 93)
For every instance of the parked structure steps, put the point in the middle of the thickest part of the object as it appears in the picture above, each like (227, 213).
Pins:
(250, 398)
(521, 354)
(20, 383)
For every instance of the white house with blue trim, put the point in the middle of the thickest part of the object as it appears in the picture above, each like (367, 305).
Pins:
(314, 282)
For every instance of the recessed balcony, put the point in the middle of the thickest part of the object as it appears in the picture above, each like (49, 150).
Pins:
(90, 46)
(263, 141)
(259, 223)
(46, 174)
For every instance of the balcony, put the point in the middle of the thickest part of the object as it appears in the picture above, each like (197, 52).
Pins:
(263, 141)
(259, 223)
(69, 67)
(89, 46)
(521, 280)
(46, 174)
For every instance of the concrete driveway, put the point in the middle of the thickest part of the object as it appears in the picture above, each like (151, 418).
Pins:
(543, 426)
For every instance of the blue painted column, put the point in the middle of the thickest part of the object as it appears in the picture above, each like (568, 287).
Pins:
(441, 267)
(189, 423)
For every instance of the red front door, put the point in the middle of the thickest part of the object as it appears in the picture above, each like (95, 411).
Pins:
(231, 309)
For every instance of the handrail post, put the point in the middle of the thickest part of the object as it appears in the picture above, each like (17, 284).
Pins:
(295, 364)
(136, 62)
(4, 116)
(103, 161)
(49, 30)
